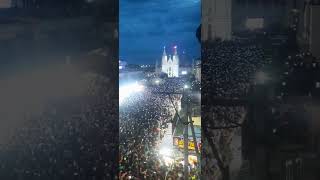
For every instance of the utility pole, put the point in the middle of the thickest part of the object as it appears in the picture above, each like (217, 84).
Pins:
(185, 138)
(189, 117)
(186, 110)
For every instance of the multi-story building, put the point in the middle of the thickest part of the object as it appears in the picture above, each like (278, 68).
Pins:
(216, 20)
(197, 70)
(221, 19)
(307, 14)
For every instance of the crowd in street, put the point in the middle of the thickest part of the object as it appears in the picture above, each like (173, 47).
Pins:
(72, 138)
(228, 67)
(172, 85)
(142, 116)
(300, 75)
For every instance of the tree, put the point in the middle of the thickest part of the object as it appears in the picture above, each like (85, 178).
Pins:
(222, 124)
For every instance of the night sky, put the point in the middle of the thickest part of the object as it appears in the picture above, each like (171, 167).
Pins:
(146, 26)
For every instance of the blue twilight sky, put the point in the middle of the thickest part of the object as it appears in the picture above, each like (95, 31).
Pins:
(146, 26)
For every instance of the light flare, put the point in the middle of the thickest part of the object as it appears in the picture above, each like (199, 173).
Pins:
(127, 90)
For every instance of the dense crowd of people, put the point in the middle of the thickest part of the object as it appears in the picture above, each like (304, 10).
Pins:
(73, 137)
(228, 70)
(300, 75)
(228, 67)
(172, 85)
(142, 116)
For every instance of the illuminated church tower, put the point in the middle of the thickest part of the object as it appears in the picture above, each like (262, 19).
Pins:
(170, 64)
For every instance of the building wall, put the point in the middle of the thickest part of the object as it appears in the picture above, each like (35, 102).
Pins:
(315, 30)
(222, 18)
(216, 20)
(308, 26)
(271, 11)
(198, 74)
(174, 68)
(33, 41)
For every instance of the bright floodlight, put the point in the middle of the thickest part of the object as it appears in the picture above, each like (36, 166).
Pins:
(185, 86)
(128, 90)
(261, 78)
(184, 72)
(120, 67)
(157, 81)
(165, 151)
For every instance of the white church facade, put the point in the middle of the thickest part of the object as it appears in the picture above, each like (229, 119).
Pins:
(170, 64)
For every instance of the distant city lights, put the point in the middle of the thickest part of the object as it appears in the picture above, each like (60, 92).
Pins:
(145, 66)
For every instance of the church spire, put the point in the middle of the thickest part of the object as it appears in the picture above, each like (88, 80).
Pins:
(164, 57)
(175, 50)
(164, 51)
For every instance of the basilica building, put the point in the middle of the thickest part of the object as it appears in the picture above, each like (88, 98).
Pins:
(170, 64)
